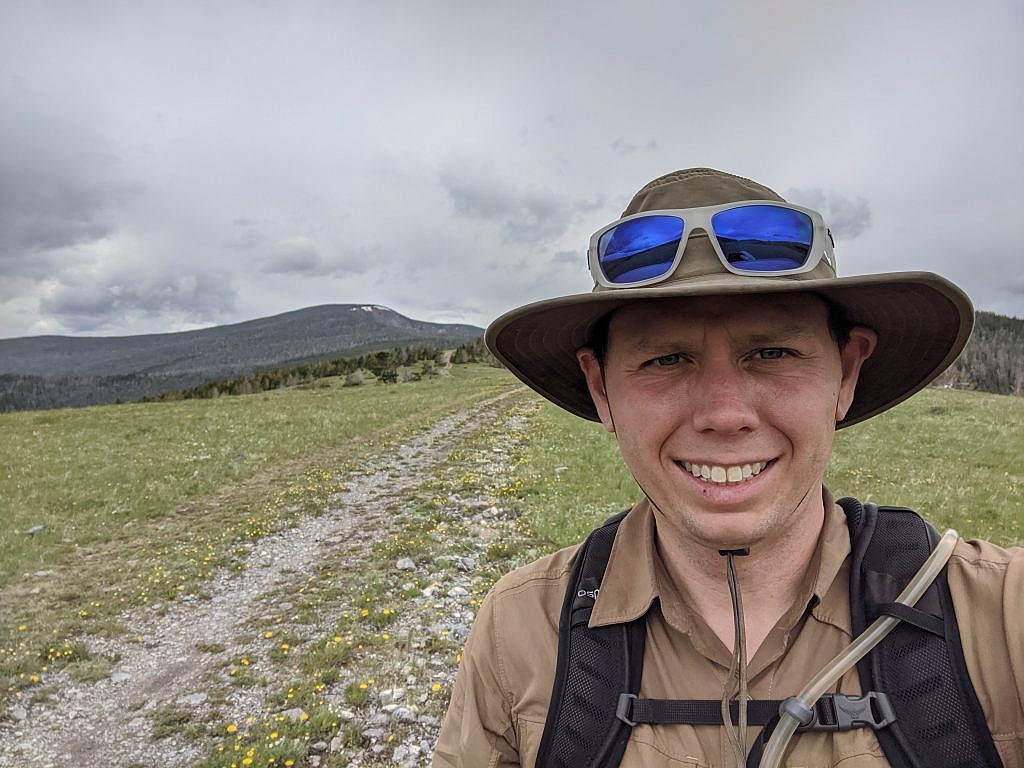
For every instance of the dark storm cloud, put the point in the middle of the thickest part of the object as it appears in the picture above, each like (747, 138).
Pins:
(524, 216)
(94, 303)
(58, 190)
(846, 218)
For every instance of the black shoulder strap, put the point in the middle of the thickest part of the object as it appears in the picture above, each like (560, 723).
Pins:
(920, 664)
(594, 667)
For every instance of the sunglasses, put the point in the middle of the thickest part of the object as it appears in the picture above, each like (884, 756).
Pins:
(752, 237)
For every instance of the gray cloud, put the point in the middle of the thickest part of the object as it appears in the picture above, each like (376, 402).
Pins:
(623, 147)
(245, 235)
(302, 257)
(524, 216)
(58, 190)
(86, 304)
(596, 203)
(846, 218)
(297, 255)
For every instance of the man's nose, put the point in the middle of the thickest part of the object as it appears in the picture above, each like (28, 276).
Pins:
(723, 400)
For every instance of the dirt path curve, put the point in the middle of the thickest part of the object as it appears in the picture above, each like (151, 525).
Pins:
(108, 723)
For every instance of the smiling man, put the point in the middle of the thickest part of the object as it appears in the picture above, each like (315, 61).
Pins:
(722, 351)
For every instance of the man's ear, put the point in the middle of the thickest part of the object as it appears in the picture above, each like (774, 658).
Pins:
(594, 374)
(852, 356)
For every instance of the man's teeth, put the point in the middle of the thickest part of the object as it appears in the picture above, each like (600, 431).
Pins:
(733, 474)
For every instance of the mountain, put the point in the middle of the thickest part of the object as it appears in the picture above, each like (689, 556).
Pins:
(54, 371)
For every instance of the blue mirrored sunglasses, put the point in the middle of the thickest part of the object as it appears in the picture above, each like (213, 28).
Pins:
(752, 237)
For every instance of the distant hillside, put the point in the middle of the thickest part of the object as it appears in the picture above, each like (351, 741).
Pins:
(993, 360)
(56, 371)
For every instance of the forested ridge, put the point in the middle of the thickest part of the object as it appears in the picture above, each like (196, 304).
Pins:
(993, 360)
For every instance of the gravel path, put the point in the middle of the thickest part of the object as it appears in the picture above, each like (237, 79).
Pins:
(109, 722)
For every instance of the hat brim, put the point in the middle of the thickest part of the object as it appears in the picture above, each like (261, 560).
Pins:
(922, 320)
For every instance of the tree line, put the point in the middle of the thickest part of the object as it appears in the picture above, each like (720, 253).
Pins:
(384, 365)
(993, 360)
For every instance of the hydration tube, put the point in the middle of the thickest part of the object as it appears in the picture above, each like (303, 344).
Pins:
(797, 709)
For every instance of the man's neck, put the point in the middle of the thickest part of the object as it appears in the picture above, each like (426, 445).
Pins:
(769, 577)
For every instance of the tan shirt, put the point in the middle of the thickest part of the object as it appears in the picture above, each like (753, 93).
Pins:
(501, 695)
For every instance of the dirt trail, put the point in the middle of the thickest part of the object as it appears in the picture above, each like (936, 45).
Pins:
(109, 723)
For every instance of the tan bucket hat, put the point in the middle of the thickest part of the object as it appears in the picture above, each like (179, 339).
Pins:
(922, 320)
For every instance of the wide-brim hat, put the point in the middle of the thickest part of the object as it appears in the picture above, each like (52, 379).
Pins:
(922, 320)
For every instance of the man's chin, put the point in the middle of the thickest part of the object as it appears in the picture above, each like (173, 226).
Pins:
(718, 530)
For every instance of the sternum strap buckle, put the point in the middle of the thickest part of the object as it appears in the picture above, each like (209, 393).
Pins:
(839, 712)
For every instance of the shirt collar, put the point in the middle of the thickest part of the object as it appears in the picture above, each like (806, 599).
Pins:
(830, 593)
(630, 583)
(629, 586)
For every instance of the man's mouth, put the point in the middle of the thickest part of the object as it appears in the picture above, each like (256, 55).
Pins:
(731, 474)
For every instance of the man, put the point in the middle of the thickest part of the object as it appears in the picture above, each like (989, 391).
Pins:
(722, 351)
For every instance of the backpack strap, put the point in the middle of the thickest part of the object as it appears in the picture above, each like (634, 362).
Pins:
(595, 665)
(920, 664)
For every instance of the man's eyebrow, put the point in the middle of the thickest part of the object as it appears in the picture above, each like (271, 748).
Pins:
(645, 344)
(782, 333)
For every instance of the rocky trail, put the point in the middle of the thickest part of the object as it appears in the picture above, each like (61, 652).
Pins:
(183, 690)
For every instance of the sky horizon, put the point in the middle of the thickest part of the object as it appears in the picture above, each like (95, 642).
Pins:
(166, 168)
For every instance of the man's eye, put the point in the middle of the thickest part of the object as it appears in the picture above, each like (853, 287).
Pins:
(666, 360)
(771, 353)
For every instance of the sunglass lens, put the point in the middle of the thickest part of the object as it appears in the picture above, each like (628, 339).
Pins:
(764, 238)
(639, 249)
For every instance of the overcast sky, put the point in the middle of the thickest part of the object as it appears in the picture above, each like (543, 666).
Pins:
(166, 166)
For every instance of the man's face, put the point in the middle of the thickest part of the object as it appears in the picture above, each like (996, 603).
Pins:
(725, 408)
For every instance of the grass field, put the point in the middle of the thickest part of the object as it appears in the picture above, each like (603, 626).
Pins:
(92, 475)
(144, 502)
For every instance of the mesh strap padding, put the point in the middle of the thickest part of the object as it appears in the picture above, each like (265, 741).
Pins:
(594, 667)
(940, 723)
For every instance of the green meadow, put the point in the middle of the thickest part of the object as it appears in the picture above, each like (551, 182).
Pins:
(135, 505)
(97, 475)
